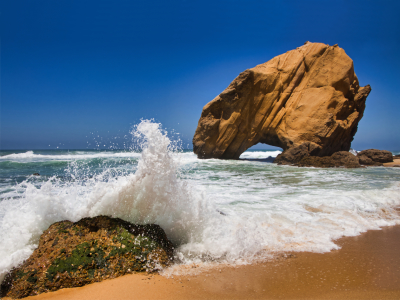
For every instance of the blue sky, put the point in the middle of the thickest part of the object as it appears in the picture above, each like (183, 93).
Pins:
(72, 70)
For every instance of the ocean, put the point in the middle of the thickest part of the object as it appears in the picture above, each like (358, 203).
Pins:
(214, 211)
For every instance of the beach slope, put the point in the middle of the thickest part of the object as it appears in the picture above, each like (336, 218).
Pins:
(366, 267)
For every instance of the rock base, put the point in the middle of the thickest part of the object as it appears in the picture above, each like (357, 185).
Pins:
(304, 156)
(336, 160)
(374, 157)
(90, 250)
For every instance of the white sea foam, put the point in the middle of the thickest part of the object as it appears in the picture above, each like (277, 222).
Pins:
(213, 210)
(259, 154)
(27, 154)
(354, 152)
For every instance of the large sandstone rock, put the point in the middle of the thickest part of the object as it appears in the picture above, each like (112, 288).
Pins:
(90, 250)
(307, 95)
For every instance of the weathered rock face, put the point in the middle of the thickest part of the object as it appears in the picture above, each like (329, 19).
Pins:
(374, 157)
(91, 250)
(307, 95)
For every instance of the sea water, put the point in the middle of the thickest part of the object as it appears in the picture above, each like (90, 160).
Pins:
(214, 211)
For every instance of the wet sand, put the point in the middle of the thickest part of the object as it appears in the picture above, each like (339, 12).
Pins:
(367, 267)
(396, 162)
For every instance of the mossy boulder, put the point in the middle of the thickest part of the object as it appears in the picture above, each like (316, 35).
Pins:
(90, 250)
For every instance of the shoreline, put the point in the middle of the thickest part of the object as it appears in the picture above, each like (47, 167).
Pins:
(395, 163)
(366, 267)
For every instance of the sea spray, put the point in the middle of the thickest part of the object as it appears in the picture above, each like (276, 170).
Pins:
(153, 194)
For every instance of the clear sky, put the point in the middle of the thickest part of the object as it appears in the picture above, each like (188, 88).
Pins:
(72, 70)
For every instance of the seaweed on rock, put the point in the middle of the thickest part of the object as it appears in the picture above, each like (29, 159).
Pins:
(90, 250)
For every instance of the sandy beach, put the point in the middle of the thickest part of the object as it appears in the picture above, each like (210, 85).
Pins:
(366, 267)
(395, 163)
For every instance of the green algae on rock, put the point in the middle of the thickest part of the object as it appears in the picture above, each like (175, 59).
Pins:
(90, 250)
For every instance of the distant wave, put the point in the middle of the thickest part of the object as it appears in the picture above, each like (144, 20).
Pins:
(259, 154)
(29, 155)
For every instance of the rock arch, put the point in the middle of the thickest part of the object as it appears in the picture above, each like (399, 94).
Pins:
(307, 95)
